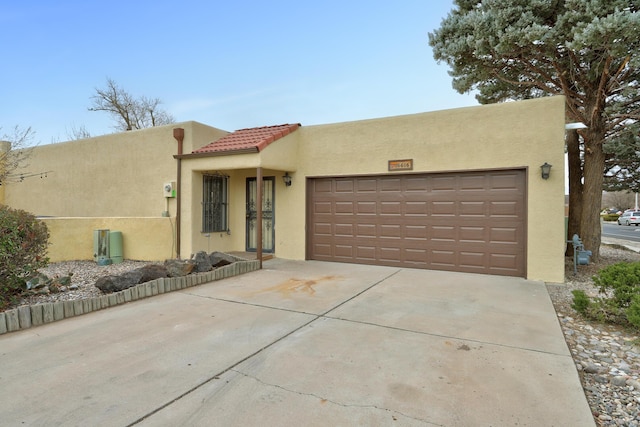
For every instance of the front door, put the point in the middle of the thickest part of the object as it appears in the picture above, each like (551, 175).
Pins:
(268, 206)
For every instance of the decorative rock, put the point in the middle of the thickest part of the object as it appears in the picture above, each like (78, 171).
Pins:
(179, 267)
(62, 281)
(203, 263)
(592, 368)
(37, 282)
(152, 272)
(600, 379)
(109, 284)
(619, 381)
(220, 259)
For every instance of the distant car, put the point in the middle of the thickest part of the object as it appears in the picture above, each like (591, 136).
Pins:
(630, 217)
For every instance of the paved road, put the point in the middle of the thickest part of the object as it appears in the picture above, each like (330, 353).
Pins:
(623, 232)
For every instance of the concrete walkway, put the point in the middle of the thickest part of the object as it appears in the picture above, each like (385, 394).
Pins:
(304, 343)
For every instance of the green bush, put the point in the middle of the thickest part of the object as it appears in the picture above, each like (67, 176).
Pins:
(581, 302)
(23, 248)
(633, 311)
(610, 217)
(619, 285)
(622, 280)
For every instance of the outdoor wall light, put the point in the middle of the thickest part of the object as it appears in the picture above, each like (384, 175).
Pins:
(287, 179)
(546, 170)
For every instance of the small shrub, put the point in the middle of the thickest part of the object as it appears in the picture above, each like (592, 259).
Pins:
(581, 302)
(23, 247)
(621, 279)
(633, 311)
(610, 217)
(619, 285)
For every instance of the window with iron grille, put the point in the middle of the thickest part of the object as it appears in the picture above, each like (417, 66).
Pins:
(214, 203)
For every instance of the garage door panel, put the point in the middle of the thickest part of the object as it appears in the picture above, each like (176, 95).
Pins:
(443, 183)
(344, 186)
(504, 235)
(473, 183)
(443, 233)
(416, 232)
(503, 262)
(390, 208)
(418, 184)
(472, 259)
(344, 230)
(323, 250)
(472, 208)
(391, 231)
(344, 208)
(502, 209)
(365, 253)
(323, 229)
(344, 251)
(321, 186)
(416, 256)
(505, 181)
(393, 255)
(388, 184)
(472, 234)
(366, 207)
(366, 230)
(471, 222)
(367, 185)
(442, 258)
(322, 207)
(443, 209)
(416, 208)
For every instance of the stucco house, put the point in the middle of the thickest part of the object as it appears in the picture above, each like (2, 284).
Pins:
(456, 190)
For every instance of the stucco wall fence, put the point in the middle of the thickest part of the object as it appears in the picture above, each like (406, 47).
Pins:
(143, 238)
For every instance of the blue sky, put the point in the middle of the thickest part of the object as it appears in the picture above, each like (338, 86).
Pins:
(228, 64)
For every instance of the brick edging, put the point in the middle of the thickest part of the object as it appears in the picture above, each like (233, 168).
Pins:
(27, 316)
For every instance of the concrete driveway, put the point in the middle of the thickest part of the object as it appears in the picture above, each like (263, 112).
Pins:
(304, 343)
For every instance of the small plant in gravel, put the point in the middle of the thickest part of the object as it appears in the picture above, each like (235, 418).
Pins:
(23, 248)
(619, 285)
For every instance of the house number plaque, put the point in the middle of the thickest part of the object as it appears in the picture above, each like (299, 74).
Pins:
(400, 165)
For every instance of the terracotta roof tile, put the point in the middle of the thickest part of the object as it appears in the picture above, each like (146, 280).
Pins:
(248, 140)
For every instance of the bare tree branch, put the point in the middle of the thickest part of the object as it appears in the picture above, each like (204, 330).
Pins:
(20, 142)
(128, 112)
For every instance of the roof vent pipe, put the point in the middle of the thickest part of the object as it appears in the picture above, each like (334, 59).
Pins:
(178, 134)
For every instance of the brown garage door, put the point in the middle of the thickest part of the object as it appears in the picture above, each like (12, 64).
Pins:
(469, 221)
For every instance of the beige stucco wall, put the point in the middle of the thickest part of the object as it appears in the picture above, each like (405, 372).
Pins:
(147, 239)
(122, 175)
(193, 240)
(510, 135)
(116, 175)
(276, 159)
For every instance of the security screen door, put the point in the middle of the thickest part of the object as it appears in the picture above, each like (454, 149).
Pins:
(268, 206)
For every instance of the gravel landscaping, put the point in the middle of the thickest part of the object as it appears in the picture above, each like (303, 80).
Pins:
(606, 356)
